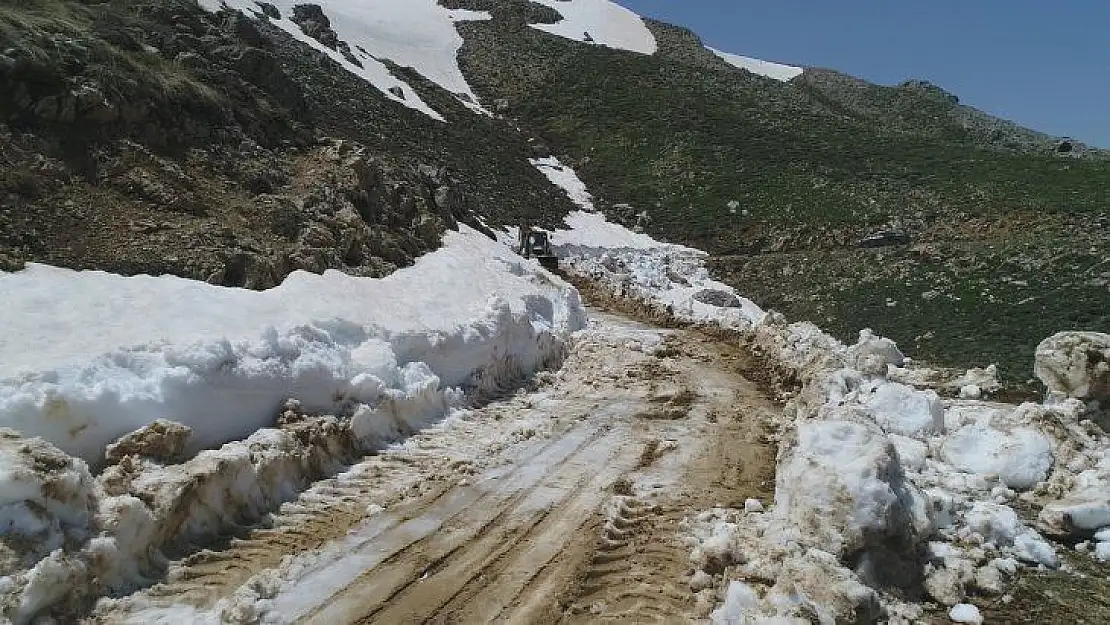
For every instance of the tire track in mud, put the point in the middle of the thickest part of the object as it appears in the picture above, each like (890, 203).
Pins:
(562, 505)
(636, 573)
(467, 538)
(508, 554)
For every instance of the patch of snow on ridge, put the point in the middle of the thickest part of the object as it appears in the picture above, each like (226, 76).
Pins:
(777, 71)
(602, 22)
(566, 179)
(419, 34)
(89, 356)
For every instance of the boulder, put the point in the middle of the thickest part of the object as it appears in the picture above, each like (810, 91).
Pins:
(1076, 364)
(163, 441)
(872, 353)
(718, 298)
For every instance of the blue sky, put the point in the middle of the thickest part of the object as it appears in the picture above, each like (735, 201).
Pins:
(1045, 65)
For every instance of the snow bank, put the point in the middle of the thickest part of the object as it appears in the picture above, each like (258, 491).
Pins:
(777, 71)
(602, 22)
(419, 34)
(870, 470)
(635, 265)
(189, 366)
(221, 360)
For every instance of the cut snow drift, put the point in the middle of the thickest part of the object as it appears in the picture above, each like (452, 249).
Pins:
(602, 22)
(220, 361)
(188, 365)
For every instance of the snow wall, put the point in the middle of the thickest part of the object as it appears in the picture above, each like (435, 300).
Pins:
(274, 389)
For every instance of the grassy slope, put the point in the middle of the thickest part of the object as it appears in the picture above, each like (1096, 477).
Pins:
(681, 136)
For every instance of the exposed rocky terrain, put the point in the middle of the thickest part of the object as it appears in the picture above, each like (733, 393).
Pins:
(155, 137)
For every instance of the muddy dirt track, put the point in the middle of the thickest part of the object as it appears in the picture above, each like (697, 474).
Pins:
(560, 503)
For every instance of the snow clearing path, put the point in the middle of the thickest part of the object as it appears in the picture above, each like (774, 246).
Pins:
(561, 503)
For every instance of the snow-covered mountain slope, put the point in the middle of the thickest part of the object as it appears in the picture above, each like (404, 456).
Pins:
(777, 71)
(601, 22)
(221, 360)
(415, 33)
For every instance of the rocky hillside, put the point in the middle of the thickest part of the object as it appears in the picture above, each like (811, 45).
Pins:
(159, 137)
(156, 137)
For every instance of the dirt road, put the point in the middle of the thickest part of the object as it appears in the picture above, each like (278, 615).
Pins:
(562, 503)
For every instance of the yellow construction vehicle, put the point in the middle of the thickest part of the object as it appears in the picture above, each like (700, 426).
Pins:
(536, 244)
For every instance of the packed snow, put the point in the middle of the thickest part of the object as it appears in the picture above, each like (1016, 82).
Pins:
(419, 34)
(601, 22)
(776, 71)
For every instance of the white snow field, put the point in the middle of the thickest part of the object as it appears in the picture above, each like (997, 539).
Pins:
(601, 22)
(419, 34)
(776, 71)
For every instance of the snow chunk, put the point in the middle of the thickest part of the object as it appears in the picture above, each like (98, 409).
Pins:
(601, 22)
(985, 380)
(811, 585)
(163, 441)
(843, 486)
(900, 409)
(47, 498)
(1076, 364)
(1086, 509)
(1021, 457)
(872, 354)
(777, 71)
(912, 453)
(566, 179)
(971, 391)
(1000, 525)
(965, 613)
(740, 600)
